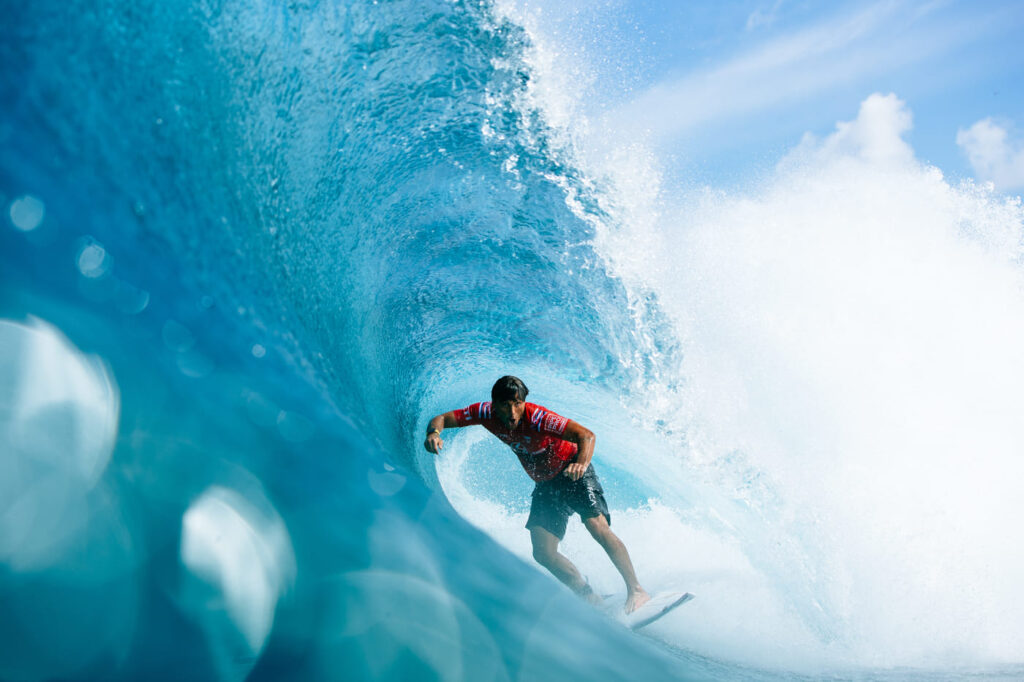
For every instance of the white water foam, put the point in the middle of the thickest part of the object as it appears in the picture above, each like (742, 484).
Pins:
(852, 371)
(846, 418)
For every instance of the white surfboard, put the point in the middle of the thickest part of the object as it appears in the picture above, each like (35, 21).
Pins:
(659, 605)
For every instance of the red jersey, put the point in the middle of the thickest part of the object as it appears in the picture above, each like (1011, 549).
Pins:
(536, 439)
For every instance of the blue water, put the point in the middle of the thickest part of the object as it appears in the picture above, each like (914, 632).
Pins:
(263, 243)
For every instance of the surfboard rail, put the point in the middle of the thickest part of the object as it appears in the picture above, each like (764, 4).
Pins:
(661, 604)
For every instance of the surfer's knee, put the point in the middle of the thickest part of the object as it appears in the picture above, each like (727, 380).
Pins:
(545, 556)
(599, 529)
(545, 545)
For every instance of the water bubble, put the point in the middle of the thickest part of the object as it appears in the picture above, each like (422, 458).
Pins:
(294, 427)
(93, 260)
(58, 427)
(261, 410)
(177, 336)
(385, 484)
(130, 299)
(27, 213)
(238, 559)
(258, 351)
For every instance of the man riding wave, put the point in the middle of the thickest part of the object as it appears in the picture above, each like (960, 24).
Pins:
(556, 452)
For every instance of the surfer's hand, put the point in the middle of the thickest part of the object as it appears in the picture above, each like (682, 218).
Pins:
(433, 443)
(575, 471)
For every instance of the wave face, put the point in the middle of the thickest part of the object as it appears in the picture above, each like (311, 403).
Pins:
(267, 241)
(251, 247)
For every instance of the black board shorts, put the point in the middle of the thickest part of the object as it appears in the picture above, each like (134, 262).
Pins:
(556, 500)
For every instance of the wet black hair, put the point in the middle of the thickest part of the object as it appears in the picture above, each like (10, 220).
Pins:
(508, 388)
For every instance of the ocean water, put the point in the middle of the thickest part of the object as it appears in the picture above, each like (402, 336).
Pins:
(248, 249)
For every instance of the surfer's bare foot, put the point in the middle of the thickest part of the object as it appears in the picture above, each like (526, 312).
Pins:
(636, 598)
(588, 593)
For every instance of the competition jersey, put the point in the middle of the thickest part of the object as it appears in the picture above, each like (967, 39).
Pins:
(536, 439)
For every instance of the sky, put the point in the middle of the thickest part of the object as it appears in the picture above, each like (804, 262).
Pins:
(723, 91)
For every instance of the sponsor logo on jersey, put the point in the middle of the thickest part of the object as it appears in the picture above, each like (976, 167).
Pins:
(555, 423)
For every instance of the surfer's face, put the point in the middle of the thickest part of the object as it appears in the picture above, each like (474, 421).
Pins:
(509, 412)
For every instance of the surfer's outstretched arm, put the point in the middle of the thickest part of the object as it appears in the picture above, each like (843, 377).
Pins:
(433, 443)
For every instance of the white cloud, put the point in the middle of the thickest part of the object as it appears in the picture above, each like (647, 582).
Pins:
(761, 17)
(875, 136)
(993, 155)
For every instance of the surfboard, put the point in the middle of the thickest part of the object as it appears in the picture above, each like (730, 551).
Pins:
(660, 604)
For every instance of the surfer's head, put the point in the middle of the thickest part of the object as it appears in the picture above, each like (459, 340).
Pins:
(509, 388)
(508, 399)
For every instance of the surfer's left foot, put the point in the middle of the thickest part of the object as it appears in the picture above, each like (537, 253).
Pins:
(587, 592)
(635, 599)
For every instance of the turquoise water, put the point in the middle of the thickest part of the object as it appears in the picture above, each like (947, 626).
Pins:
(250, 248)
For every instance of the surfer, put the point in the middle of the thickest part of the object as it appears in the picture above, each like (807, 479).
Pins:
(556, 453)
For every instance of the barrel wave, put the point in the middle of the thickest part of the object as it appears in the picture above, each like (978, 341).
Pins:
(250, 248)
(285, 234)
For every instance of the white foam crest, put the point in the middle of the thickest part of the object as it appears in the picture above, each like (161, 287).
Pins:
(559, 74)
(851, 335)
(848, 399)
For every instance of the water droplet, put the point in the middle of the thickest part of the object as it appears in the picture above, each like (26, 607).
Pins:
(93, 260)
(262, 411)
(27, 213)
(385, 484)
(130, 299)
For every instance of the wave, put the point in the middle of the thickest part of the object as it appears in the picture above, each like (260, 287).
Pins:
(270, 240)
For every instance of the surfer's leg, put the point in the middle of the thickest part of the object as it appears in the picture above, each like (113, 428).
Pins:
(545, 551)
(599, 529)
(549, 516)
(586, 497)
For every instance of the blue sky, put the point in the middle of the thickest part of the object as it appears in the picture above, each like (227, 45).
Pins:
(724, 90)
